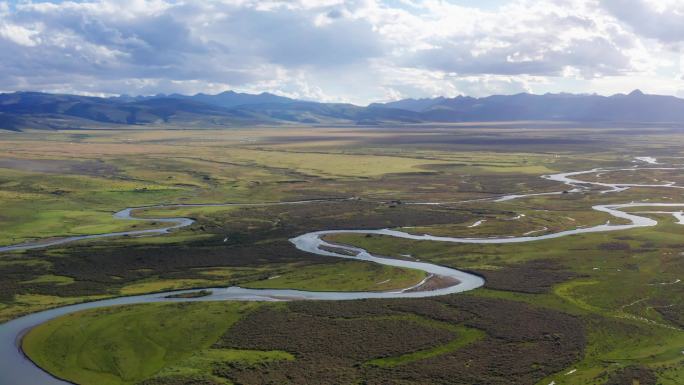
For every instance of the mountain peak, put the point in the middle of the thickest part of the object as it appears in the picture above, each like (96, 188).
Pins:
(636, 92)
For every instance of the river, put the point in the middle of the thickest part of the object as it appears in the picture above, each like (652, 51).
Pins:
(16, 369)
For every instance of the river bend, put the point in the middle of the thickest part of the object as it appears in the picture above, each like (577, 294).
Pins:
(16, 369)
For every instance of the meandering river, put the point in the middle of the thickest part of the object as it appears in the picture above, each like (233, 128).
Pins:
(16, 369)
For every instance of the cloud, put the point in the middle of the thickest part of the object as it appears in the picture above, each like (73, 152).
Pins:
(657, 19)
(516, 41)
(293, 38)
(18, 34)
(355, 50)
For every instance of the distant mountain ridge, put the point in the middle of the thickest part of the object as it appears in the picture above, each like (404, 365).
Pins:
(635, 107)
(228, 99)
(21, 110)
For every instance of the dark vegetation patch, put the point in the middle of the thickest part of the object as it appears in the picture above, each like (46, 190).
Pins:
(434, 310)
(343, 309)
(255, 237)
(375, 308)
(181, 380)
(135, 262)
(519, 322)
(317, 371)
(612, 246)
(12, 277)
(523, 345)
(633, 375)
(674, 313)
(99, 269)
(290, 220)
(534, 277)
(357, 339)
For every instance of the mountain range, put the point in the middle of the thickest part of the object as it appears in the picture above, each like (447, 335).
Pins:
(23, 110)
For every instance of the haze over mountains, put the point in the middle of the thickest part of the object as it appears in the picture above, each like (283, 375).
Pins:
(22, 110)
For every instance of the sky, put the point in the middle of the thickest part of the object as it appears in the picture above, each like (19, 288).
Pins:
(357, 51)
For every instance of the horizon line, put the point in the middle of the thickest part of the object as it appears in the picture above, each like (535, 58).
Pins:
(636, 91)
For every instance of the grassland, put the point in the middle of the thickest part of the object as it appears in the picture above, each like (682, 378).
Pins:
(345, 276)
(301, 343)
(131, 344)
(620, 287)
(624, 279)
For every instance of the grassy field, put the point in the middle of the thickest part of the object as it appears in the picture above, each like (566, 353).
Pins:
(341, 276)
(623, 287)
(127, 345)
(344, 276)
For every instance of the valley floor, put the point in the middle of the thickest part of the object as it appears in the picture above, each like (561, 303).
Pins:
(596, 308)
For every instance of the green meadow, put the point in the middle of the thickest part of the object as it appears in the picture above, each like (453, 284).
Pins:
(623, 288)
